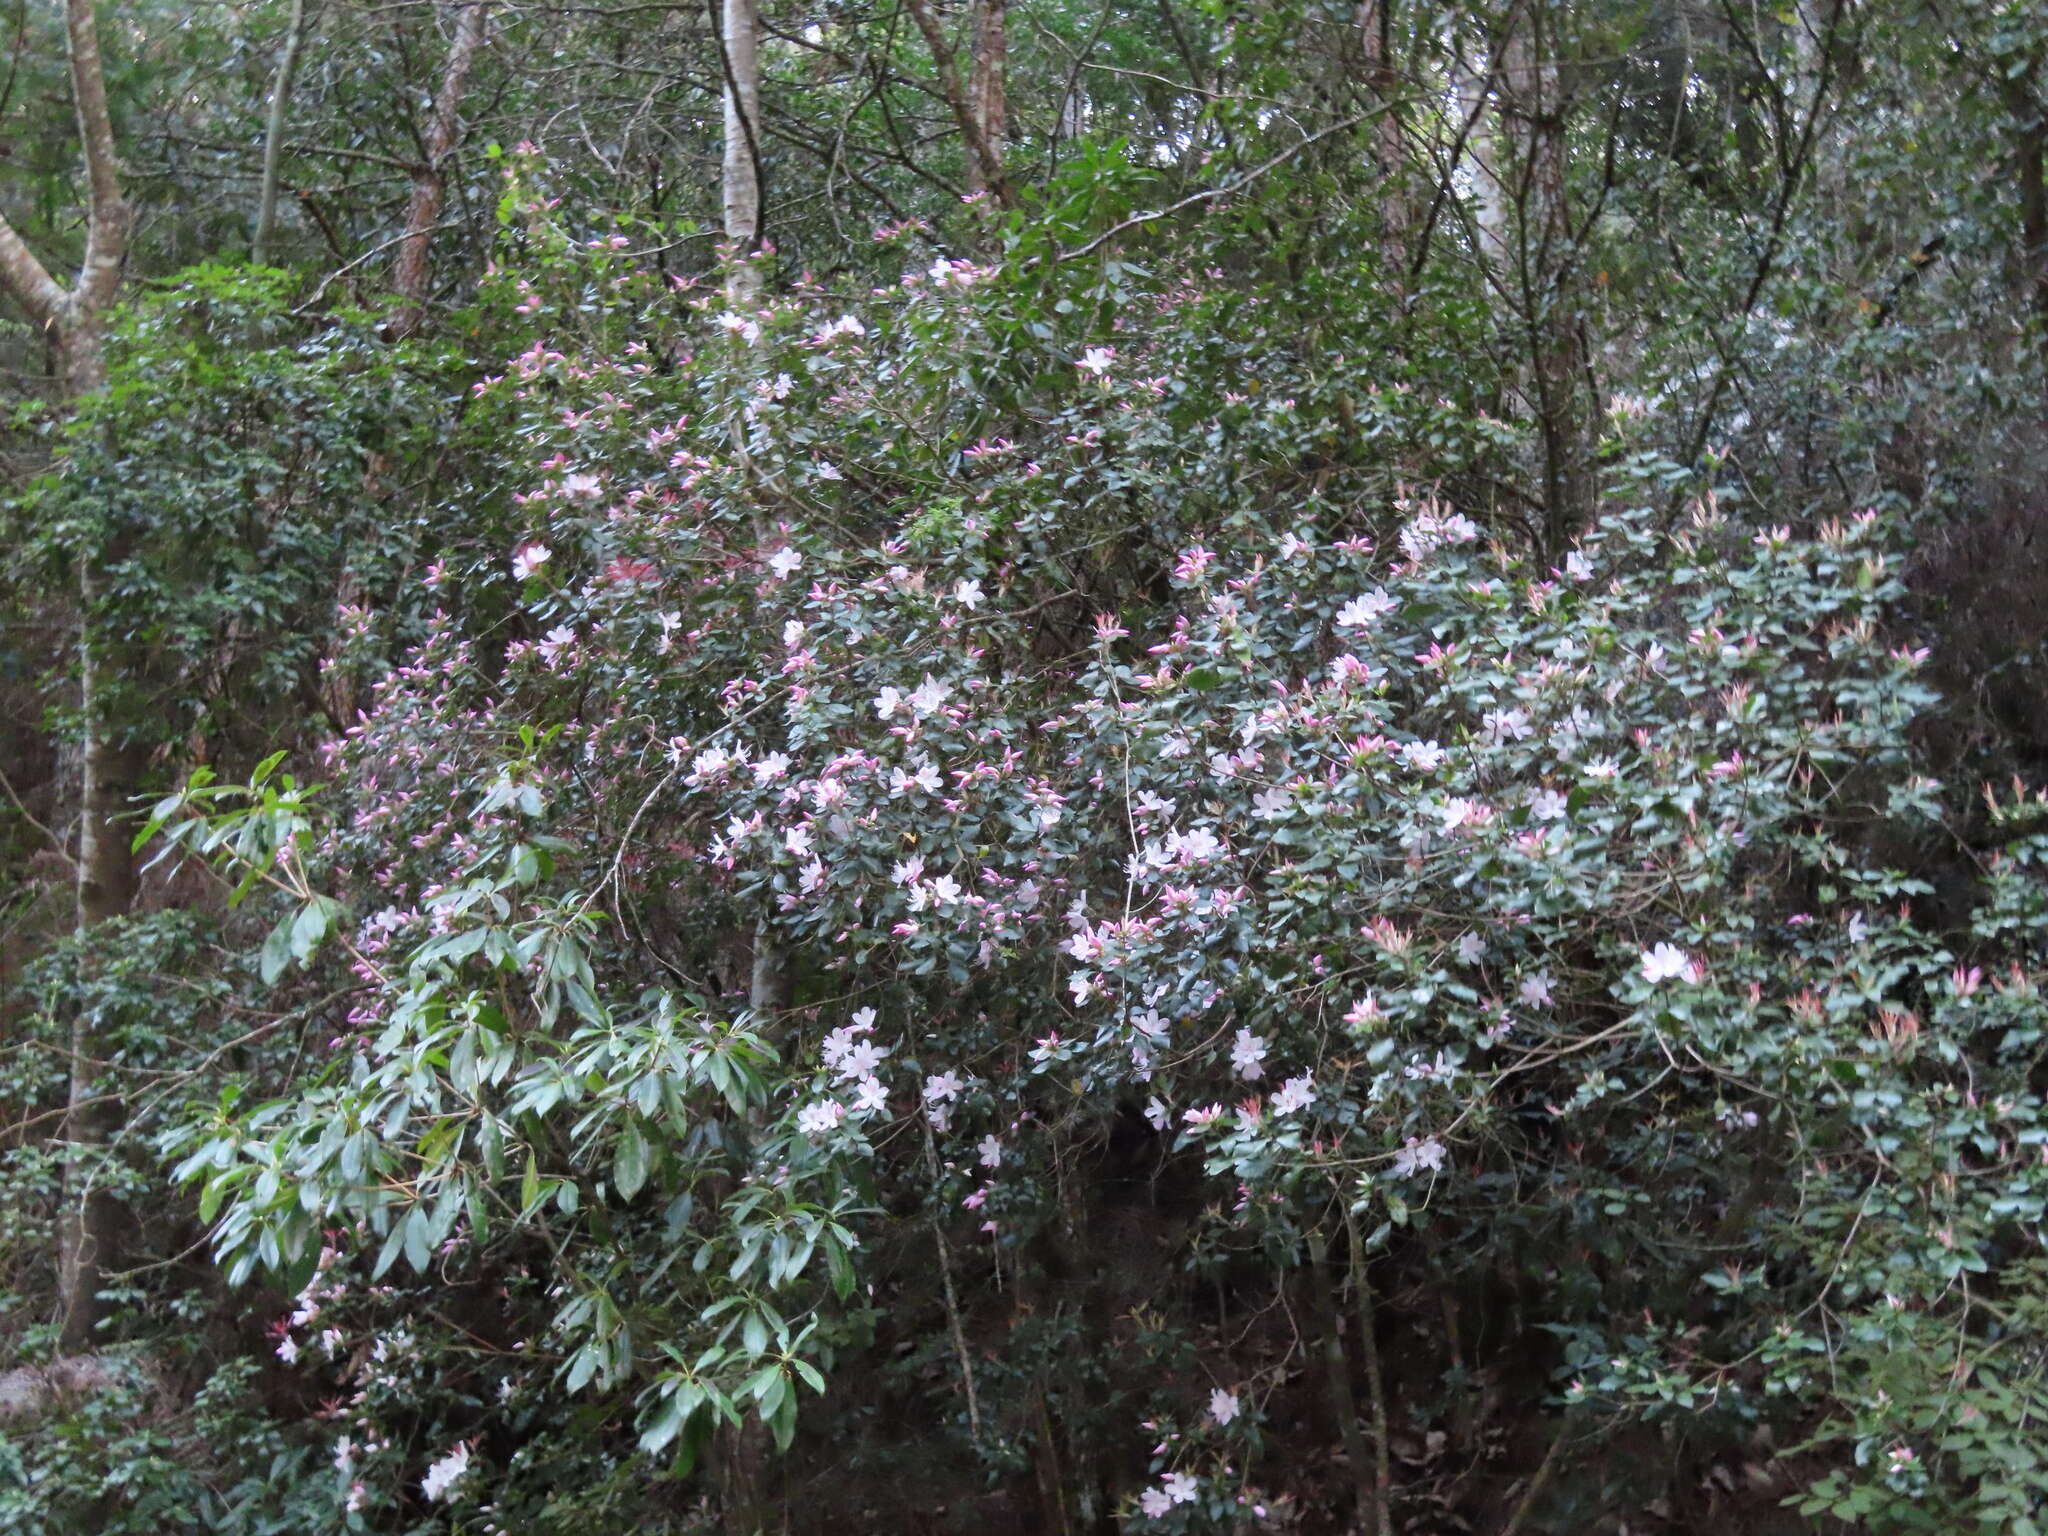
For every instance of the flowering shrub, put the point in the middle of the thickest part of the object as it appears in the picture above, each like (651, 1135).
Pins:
(920, 744)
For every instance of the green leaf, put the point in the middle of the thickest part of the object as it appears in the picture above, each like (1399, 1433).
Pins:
(629, 1164)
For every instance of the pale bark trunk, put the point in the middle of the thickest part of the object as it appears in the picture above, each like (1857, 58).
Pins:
(273, 135)
(430, 179)
(740, 38)
(1490, 211)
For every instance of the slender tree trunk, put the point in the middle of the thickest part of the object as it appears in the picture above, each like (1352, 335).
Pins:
(93, 1220)
(1337, 1375)
(430, 178)
(2030, 175)
(1525, 235)
(983, 158)
(988, 88)
(1375, 29)
(273, 134)
(73, 321)
(739, 34)
(743, 1467)
(1375, 1382)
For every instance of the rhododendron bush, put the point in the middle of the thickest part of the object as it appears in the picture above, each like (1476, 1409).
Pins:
(907, 775)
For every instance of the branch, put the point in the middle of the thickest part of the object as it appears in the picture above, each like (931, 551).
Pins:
(29, 281)
(1226, 190)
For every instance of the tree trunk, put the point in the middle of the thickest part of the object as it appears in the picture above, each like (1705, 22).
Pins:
(1375, 30)
(93, 1220)
(430, 178)
(983, 159)
(1337, 1378)
(74, 322)
(740, 47)
(273, 135)
(988, 88)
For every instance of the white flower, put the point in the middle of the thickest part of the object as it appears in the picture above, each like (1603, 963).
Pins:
(907, 871)
(670, 623)
(1535, 990)
(929, 695)
(1461, 812)
(1082, 985)
(1157, 1115)
(968, 594)
(887, 703)
(944, 891)
(943, 1089)
(740, 326)
(584, 486)
(1363, 612)
(528, 558)
(1154, 1503)
(991, 1151)
(1179, 1487)
(869, 1095)
(1505, 725)
(556, 641)
(1096, 360)
(825, 469)
(771, 767)
(860, 1060)
(1418, 1155)
(1471, 948)
(1223, 1406)
(1665, 962)
(1578, 567)
(1602, 768)
(1297, 1093)
(784, 562)
(1423, 755)
(820, 1118)
(287, 1349)
(1248, 1056)
(344, 1455)
(1547, 805)
(797, 840)
(1269, 803)
(445, 1473)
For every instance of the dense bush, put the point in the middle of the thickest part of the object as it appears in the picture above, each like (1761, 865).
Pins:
(816, 848)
